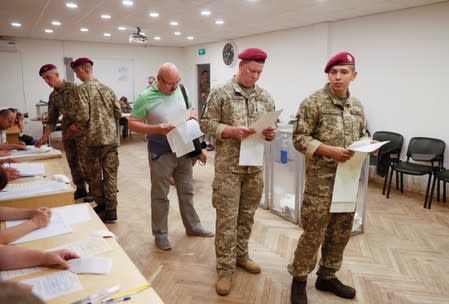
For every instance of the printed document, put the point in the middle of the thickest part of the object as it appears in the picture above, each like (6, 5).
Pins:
(347, 178)
(252, 147)
(13, 191)
(29, 169)
(92, 265)
(54, 285)
(186, 130)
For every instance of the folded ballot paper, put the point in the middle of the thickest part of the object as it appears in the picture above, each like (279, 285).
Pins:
(180, 138)
(347, 178)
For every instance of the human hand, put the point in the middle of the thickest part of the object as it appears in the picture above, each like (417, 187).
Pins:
(164, 128)
(21, 146)
(269, 133)
(58, 258)
(41, 217)
(340, 154)
(375, 152)
(193, 114)
(4, 153)
(40, 142)
(241, 132)
(11, 173)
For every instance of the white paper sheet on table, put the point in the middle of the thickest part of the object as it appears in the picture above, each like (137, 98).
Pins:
(29, 168)
(189, 130)
(57, 226)
(92, 265)
(13, 191)
(252, 147)
(31, 150)
(54, 285)
(347, 177)
(73, 214)
(84, 248)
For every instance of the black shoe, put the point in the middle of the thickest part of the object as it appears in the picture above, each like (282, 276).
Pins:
(336, 287)
(108, 216)
(203, 145)
(298, 294)
(99, 208)
(79, 193)
(88, 198)
(210, 148)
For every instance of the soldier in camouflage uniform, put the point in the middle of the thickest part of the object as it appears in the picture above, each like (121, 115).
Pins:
(64, 101)
(237, 190)
(327, 123)
(98, 117)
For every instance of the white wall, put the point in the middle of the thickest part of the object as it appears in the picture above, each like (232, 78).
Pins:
(402, 59)
(34, 53)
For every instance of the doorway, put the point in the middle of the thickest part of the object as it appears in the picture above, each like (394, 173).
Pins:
(201, 70)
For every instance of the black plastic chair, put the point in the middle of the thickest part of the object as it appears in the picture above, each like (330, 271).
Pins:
(388, 155)
(443, 176)
(421, 149)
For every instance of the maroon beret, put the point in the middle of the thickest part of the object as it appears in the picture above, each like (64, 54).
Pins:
(46, 68)
(80, 61)
(253, 54)
(343, 58)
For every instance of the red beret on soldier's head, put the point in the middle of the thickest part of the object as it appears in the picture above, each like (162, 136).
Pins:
(80, 61)
(253, 54)
(46, 68)
(343, 58)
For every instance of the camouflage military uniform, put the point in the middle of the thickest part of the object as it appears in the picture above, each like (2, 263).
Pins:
(236, 189)
(324, 118)
(98, 117)
(64, 101)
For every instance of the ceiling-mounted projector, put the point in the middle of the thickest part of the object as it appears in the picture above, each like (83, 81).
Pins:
(138, 37)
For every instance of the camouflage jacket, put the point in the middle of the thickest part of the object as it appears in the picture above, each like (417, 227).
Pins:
(63, 101)
(99, 113)
(324, 118)
(229, 105)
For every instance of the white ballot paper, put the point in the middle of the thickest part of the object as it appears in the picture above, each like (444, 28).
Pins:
(346, 183)
(54, 285)
(29, 169)
(92, 265)
(252, 147)
(180, 138)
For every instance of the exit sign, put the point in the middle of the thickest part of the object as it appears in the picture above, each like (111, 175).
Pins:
(201, 51)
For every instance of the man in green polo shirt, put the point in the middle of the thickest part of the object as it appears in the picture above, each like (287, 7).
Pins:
(149, 116)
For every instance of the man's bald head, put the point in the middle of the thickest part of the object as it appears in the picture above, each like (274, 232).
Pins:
(168, 78)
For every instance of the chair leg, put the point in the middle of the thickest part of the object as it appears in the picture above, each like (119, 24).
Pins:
(385, 181)
(431, 193)
(389, 183)
(402, 182)
(427, 199)
(444, 192)
(397, 180)
(438, 191)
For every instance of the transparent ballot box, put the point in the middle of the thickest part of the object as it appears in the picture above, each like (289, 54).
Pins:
(285, 177)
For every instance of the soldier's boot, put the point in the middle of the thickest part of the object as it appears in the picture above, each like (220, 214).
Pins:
(249, 265)
(223, 285)
(79, 193)
(298, 294)
(99, 208)
(336, 287)
(108, 216)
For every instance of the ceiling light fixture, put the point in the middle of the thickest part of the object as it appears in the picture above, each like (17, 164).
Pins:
(107, 34)
(57, 23)
(154, 14)
(157, 38)
(122, 28)
(219, 22)
(48, 30)
(174, 23)
(105, 16)
(190, 37)
(127, 3)
(83, 29)
(16, 24)
(71, 5)
(177, 33)
(205, 13)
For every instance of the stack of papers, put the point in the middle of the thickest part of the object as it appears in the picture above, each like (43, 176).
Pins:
(29, 169)
(22, 190)
(180, 138)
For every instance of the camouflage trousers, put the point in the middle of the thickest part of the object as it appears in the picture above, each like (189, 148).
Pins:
(331, 230)
(235, 197)
(75, 150)
(102, 171)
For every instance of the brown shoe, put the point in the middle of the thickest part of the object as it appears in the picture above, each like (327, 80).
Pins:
(298, 294)
(249, 265)
(336, 287)
(223, 285)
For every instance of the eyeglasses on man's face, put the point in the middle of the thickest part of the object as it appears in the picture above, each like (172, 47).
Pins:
(169, 84)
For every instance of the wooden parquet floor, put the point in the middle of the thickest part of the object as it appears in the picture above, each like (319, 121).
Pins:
(403, 256)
